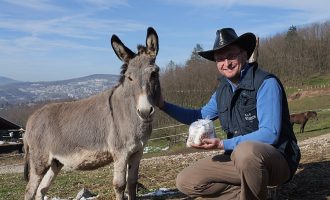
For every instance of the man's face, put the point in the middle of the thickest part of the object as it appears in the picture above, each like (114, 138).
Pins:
(230, 62)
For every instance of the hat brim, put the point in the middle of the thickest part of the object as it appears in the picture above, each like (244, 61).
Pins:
(246, 41)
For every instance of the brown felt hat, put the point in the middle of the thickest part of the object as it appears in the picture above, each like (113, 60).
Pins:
(228, 36)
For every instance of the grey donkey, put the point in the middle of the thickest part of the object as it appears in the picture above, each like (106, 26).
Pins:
(113, 126)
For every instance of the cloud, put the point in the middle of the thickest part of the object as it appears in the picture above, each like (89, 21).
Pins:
(72, 22)
(79, 26)
(304, 11)
(49, 5)
(40, 5)
(103, 4)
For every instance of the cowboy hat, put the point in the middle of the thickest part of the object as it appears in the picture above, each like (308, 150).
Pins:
(227, 36)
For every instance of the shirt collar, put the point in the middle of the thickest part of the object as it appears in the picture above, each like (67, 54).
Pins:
(243, 72)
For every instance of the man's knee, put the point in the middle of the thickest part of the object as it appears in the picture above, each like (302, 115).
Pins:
(189, 182)
(182, 182)
(247, 155)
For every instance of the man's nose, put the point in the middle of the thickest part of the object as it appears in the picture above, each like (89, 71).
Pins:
(226, 62)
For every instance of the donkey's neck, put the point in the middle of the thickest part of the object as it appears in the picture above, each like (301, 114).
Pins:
(123, 101)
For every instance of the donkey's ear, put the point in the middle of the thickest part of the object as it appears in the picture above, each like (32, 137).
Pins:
(123, 53)
(152, 42)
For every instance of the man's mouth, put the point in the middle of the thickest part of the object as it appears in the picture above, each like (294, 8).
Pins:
(230, 67)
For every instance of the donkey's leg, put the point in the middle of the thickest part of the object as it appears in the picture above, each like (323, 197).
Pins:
(33, 183)
(132, 177)
(49, 177)
(34, 180)
(119, 176)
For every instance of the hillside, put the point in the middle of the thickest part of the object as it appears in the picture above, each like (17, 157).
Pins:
(5, 80)
(31, 92)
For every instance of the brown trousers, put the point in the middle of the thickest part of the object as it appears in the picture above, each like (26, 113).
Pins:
(244, 175)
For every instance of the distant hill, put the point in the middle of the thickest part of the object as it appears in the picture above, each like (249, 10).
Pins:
(77, 88)
(5, 80)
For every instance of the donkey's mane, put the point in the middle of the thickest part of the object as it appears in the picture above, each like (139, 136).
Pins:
(141, 50)
(122, 73)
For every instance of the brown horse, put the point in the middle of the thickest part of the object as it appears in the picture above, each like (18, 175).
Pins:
(302, 118)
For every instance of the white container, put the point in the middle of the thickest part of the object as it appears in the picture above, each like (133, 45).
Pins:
(198, 130)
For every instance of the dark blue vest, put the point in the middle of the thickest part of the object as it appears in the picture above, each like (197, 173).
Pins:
(238, 112)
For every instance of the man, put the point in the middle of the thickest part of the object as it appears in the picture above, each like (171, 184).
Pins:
(261, 148)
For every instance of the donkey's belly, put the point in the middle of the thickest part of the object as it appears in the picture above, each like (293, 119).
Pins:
(86, 160)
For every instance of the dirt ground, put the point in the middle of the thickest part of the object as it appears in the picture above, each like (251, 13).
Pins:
(312, 180)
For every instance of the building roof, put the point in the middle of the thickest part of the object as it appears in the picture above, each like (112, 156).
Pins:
(7, 125)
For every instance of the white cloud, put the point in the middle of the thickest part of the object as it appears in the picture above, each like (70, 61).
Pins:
(80, 26)
(103, 4)
(40, 5)
(306, 11)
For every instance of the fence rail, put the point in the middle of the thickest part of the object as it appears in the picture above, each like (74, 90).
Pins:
(309, 87)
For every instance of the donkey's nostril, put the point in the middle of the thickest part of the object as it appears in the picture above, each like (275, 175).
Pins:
(152, 110)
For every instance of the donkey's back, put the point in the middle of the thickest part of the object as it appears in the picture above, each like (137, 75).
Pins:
(73, 133)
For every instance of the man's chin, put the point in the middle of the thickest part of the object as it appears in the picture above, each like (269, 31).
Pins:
(230, 74)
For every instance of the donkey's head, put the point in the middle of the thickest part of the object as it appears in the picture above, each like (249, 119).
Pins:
(140, 74)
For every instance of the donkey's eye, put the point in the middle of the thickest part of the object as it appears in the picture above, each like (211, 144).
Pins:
(128, 76)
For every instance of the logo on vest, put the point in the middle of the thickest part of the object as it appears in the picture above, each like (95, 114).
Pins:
(249, 116)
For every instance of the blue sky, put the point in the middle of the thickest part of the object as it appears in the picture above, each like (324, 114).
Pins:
(44, 40)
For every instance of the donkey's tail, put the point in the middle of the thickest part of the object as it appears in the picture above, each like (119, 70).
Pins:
(26, 160)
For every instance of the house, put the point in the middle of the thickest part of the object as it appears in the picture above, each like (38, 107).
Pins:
(10, 136)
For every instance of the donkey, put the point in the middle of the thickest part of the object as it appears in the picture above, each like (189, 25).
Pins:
(112, 126)
(302, 118)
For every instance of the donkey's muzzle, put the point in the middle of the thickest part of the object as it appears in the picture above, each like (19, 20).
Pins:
(146, 115)
(145, 110)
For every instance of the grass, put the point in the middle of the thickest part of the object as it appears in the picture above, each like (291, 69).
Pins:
(320, 104)
(318, 80)
(314, 127)
(67, 184)
(310, 103)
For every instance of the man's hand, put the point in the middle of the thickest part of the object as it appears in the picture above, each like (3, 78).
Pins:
(209, 143)
(160, 102)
